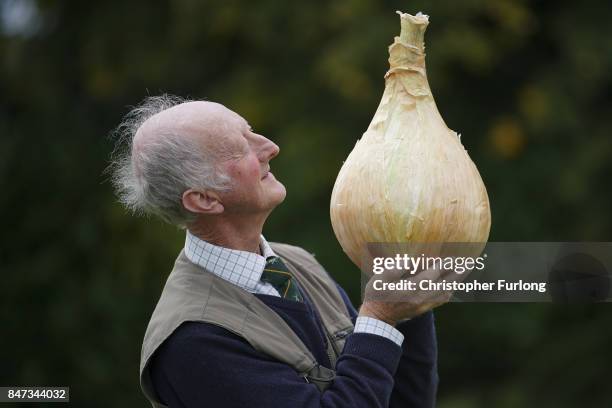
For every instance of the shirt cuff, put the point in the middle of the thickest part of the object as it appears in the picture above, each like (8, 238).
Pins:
(370, 325)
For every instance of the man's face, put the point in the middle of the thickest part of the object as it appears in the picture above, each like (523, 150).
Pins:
(254, 189)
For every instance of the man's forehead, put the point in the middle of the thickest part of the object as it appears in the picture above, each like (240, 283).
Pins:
(215, 120)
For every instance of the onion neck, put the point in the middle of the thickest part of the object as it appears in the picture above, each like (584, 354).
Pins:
(413, 29)
(407, 55)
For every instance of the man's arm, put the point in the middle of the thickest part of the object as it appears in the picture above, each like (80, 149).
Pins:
(416, 379)
(205, 365)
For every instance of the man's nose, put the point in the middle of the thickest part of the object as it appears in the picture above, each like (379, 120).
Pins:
(268, 149)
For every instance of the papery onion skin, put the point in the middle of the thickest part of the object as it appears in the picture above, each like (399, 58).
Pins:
(409, 178)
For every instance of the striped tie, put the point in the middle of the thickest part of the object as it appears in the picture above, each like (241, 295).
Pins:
(278, 275)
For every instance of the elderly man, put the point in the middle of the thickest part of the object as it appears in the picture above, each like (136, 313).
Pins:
(242, 322)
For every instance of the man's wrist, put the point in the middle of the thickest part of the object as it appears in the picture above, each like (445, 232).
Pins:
(367, 311)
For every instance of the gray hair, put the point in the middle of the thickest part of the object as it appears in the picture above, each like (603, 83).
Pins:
(153, 178)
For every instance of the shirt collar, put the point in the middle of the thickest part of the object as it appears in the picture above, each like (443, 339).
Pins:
(242, 268)
(266, 250)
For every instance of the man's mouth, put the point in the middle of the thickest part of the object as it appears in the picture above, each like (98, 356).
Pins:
(266, 174)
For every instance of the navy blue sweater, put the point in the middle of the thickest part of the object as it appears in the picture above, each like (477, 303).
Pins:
(203, 365)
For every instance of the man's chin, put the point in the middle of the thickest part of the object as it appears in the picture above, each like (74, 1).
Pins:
(281, 194)
(278, 194)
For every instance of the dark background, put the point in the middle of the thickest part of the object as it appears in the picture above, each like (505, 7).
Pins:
(526, 83)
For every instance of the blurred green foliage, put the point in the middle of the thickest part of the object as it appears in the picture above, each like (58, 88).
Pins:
(526, 83)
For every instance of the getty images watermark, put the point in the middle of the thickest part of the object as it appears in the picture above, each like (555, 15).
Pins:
(459, 265)
(493, 272)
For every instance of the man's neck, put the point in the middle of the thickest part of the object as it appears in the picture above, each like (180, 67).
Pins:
(240, 235)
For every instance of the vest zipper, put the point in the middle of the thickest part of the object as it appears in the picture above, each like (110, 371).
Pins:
(332, 351)
(331, 339)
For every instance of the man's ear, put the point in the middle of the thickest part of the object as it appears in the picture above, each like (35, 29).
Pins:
(202, 202)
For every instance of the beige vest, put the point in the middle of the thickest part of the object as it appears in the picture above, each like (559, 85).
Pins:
(193, 294)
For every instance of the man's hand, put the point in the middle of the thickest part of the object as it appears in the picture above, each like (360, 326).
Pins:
(392, 307)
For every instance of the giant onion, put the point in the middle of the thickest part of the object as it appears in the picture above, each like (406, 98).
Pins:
(409, 178)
